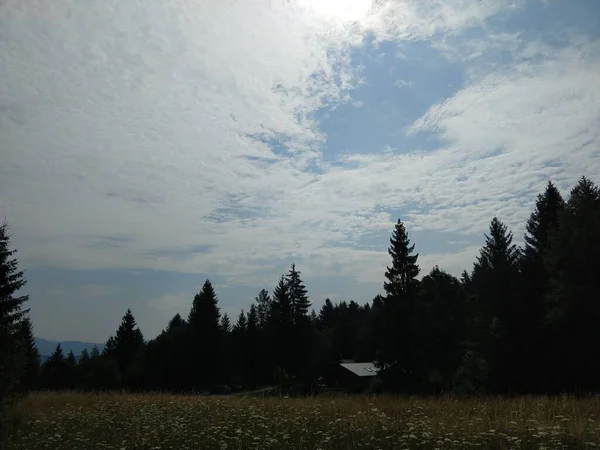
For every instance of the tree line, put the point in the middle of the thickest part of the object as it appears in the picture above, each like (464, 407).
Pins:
(522, 320)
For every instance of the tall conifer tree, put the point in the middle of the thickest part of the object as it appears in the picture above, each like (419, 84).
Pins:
(395, 339)
(13, 358)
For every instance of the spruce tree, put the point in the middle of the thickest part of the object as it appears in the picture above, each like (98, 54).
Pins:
(176, 322)
(240, 326)
(572, 301)
(12, 355)
(128, 342)
(239, 350)
(55, 370)
(281, 327)
(542, 222)
(402, 275)
(109, 347)
(225, 324)
(263, 302)
(326, 315)
(535, 353)
(297, 294)
(253, 350)
(281, 308)
(70, 359)
(71, 370)
(95, 353)
(204, 338)
(83, 372)
(31, 369)
(126, 348)
(494, 279)
(252, 319)
(204, 308)
(84, 357)
(394, 342)
(313, 318)
(495, 271)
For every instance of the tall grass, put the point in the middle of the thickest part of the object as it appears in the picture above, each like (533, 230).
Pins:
(155, 421)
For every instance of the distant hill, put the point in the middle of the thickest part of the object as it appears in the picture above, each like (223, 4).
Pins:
(46, 347)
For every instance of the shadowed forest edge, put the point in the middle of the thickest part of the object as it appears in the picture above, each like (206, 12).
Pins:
(523, 320)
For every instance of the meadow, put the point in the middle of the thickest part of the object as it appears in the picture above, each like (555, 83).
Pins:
(160, 421)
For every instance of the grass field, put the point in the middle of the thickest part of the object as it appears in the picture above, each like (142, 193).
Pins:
(120, 421)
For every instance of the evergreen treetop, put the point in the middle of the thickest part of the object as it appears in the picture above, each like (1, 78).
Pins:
(225, 323)
(298, 297)
(11, 281)
(204, 311)
(402, 275)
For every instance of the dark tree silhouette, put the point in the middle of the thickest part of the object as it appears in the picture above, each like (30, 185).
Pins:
(204, 339)
(495, 277)
(126, 349)
(13, 351)
(573, 306)
(298, 297)
(31, 368)
(395, 352)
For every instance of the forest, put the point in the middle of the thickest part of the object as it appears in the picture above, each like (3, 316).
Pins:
(521, 320)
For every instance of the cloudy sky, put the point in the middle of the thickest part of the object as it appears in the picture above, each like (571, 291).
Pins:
(146, 146)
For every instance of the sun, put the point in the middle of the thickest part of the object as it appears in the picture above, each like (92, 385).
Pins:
(338, 10)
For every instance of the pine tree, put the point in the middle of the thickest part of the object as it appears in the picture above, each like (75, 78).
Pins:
(252, 319)
(109, 347)
(204, 308)
(176, 322)
(495, 270)
(281, 307)
(240, 326)
(71, 370)
(31, 355)
(327, 315)
(55, 370)
(205, 338)
(542, 222)
(263, 302)
(12, 358)
(281, 327)
(313, 318)
(83, 371)
(573, 306)
(70, 359)
(225, 324)
(253, 350)
(125, 348)
(95, 353)
(239, 351)
(494, 279)
(536, 350)
(57, 357)
(297, 294)
(84, 357)
(395, 338)
(402, 276)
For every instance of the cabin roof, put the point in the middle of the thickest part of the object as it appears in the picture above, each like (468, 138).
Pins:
(364, 369)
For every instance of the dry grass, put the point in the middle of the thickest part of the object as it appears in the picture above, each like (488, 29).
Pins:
(150, 421)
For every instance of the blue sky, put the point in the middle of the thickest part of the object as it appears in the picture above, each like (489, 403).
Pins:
(147, 146)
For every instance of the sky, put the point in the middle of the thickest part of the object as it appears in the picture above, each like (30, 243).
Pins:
(148, 146)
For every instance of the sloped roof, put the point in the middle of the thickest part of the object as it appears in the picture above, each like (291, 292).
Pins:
(365, 369)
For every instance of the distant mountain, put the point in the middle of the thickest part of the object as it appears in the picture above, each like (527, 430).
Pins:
(47, 347)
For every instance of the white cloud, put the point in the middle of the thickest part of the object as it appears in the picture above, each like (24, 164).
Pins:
(139, 121)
